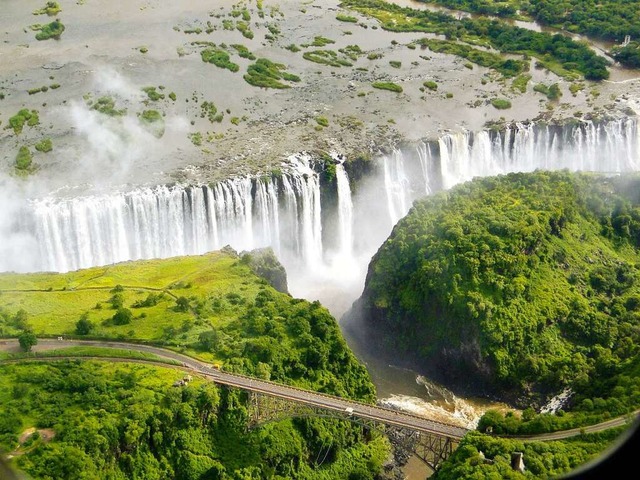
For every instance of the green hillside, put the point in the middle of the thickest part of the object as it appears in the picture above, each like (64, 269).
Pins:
(519, 286)
(108, 420)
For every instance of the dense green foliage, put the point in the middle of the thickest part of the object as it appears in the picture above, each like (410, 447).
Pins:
(528, 282)
(267, 74)
(126, 421)
(629, 55)
(501, 103)
(553, 50)
(114, 421)
(610, 19)
(480, 457)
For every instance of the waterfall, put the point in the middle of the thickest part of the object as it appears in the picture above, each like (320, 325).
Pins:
(345, 212)
(396, 185)
(284, 212)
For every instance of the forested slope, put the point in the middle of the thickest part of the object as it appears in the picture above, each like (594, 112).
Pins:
(518, 286)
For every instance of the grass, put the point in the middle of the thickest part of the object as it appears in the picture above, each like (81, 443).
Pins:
(107, 106)
(55, 302)
(393, 87)
(267, 74)
(501, 103)
(322, 121)
(519, 83)
(243, 51)
(431, 85)
(89, 351)
(51, 9)
(153, 94)
(22, 118)
(326, 57)
(219, 58)
(51, 30)
(395, 63)
(44, 145)
(346, 18)
(152, 120)
(508, 68)
(24, 159)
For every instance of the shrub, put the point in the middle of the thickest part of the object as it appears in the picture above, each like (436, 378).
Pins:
(322, 121)
(387, 86)
(122, 317)
(44, 146)
(431, 85)
(24, 159)
(51, 30)
(501, 103)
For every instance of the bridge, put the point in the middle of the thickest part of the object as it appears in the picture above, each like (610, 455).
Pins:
(431, 441)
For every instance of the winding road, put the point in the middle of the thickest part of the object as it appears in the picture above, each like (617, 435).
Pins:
(329, 402)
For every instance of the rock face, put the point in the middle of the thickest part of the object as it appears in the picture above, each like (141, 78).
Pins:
(264, 263)
(514, 286)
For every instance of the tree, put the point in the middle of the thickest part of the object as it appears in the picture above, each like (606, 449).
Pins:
(208, 340)
(84, 326)
(27, 339)
(182, 304)
(122, 317)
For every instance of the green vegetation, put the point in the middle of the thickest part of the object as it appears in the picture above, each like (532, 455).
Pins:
(501, 103)
(24, 159)
(395, 63)
(196, 138)
(519, 83)
(610, 19)
(153, 94)
(44, 146)
(431, 85)
(552, 92)
(152, 120)
(322, 121)
(629, 56)
(51, 30)
(124, 420)
(243, 51)
(393, 87)
(529, 283)
(219, 58)
(293, 48)
(172, 96)
(346, 18)
(33, 91)
(107, 106)
(24, 116)
(508, 68)
(209, 110)
(482, 456)
(326, 57)
(267, 74)
(243, 27)
(558, 52)
(319, 42)
(51, 9)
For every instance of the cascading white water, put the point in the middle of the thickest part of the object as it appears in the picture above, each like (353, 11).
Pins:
(345, 212)
(285, 212)
(396, 186)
